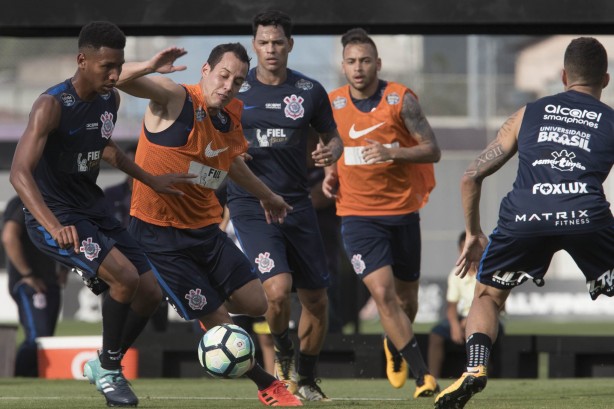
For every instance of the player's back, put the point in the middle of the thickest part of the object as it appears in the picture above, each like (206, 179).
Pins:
(565, 151)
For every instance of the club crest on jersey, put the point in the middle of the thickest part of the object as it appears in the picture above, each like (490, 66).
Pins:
(358, 264)
(89, 249)
(304, 84)
(245, 86)
(340, 102)
(200, 114)
(67, 99)
(196, 300)
(265, 262)
(393, 98)
(107, 125)
(294, 107)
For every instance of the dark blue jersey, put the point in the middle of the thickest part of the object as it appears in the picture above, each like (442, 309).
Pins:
(68, 168)
(565, 152)
(276, 121)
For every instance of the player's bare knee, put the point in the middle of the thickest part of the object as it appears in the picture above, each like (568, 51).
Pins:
(277, 297)
(491, 294)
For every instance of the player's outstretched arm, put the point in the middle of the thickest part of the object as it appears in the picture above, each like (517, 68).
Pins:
(134, 81)
(488, 162)
(162, 63)
(44, 118)
(164, 184)
(275, 208)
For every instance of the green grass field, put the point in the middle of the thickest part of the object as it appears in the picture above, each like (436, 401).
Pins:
(209, 393)
(357, 394)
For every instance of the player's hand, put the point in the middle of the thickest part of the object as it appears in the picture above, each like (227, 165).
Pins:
(375, 152)
(36, 283)
(275, 209)
(246, 156)
(471, 254)
(330, 184)
(66, 237)
(323, 156)
(163, 61)
(165, 184)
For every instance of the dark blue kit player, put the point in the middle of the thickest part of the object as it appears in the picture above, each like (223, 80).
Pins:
(54, 171)
(281, 108)
(565, 146)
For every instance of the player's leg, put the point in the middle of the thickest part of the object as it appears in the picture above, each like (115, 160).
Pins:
(105, 371)
(312, 330)
(399, 332)
(228, 277)
(594, 254)
(490, 294)
(311, 279)
(26, 363)
(407, 296)
(482, 327)
(405, 245)
(148, 294)
(249, 299)
(265, 247)
(98, 258)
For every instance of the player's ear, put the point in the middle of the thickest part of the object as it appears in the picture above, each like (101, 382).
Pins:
(205, 70)
(379, 64)
(290, 44)
(606, 80)
(564, 77)
(81, 60)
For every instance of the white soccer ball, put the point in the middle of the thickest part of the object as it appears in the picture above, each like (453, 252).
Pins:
(226, 351)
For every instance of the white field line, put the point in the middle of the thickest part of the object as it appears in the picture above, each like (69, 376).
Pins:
(204, 398)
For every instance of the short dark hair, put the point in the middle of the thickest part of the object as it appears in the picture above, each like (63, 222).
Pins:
(219, 50)
(586, 60)
(357, 36)
(273, 18)
(98, 34)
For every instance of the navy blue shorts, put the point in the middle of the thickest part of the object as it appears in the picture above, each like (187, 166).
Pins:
(97, 240)
(199, 279)
(374, 242)
(509, 261)
(294, 246)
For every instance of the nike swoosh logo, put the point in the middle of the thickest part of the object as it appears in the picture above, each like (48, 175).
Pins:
(354, 134)
(212, 153)
(74, 131)
(246, 107)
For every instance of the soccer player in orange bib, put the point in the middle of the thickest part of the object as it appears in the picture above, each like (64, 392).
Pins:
(196, 129)
(383, 179)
